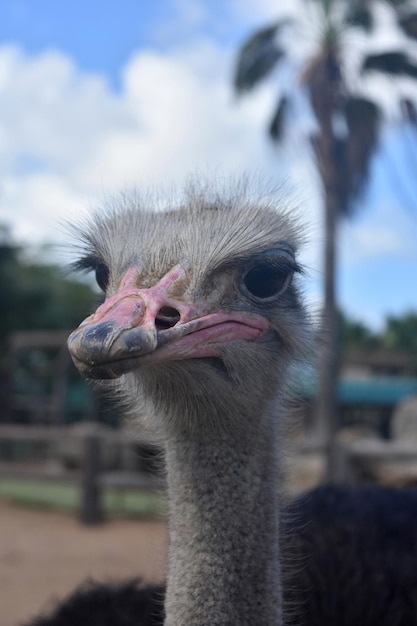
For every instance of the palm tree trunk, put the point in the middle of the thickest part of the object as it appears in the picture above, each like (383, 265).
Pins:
(326, 88)
(326, 422)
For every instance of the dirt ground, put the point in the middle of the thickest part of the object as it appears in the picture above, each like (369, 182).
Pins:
(44, 555)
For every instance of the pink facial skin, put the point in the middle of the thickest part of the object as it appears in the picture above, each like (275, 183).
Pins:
(131, 306)
(124, 334)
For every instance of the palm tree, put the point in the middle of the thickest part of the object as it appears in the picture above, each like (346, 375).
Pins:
(334, 77)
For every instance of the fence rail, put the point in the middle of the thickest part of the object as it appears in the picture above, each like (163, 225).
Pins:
(91, 478)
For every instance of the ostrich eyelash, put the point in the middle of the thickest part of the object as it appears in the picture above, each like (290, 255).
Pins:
(92, 263)
(87, 264)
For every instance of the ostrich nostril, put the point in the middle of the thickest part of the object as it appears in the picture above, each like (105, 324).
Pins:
(166, 318)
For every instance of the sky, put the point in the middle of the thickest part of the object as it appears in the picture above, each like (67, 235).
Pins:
(100, 96)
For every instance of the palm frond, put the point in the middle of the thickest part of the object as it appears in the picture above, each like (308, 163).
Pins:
(394, 63)
(360, 111)
(359, 15)
(363, 119)
(398, 4)
(351, 154)
(258, 56)
(277, 125)
(409, 110)
(408, 24)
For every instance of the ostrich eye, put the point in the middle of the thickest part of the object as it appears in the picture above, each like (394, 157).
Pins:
(102, 276)
(266, 280)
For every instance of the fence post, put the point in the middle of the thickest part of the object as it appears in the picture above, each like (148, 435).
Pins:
(91, 497)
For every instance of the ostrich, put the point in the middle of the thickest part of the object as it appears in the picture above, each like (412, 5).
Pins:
(198, 334)
(199, 329)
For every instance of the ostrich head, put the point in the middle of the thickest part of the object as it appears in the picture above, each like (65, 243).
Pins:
(201, 315)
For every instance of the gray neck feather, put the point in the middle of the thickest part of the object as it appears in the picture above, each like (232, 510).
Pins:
(224, 530)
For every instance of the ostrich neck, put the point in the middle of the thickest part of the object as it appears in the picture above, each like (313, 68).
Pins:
(224, 532)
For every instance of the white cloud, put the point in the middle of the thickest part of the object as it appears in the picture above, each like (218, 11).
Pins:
(363, 243)
(191, 12)
(66, 139)
(265, 10)
(37, 204)
(379, 232)
(185, 118)
(51, 113)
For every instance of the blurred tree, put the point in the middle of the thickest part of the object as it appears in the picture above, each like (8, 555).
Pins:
(355, 334)
(37, 296)
(347, 122)
(400, 333)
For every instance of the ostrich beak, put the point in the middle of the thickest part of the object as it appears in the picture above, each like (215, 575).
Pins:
(138, 327)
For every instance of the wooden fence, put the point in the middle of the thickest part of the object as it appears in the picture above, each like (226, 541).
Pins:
(91, 477)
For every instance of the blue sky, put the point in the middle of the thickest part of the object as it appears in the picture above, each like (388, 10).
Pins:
(95, 96)
(101, 36)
